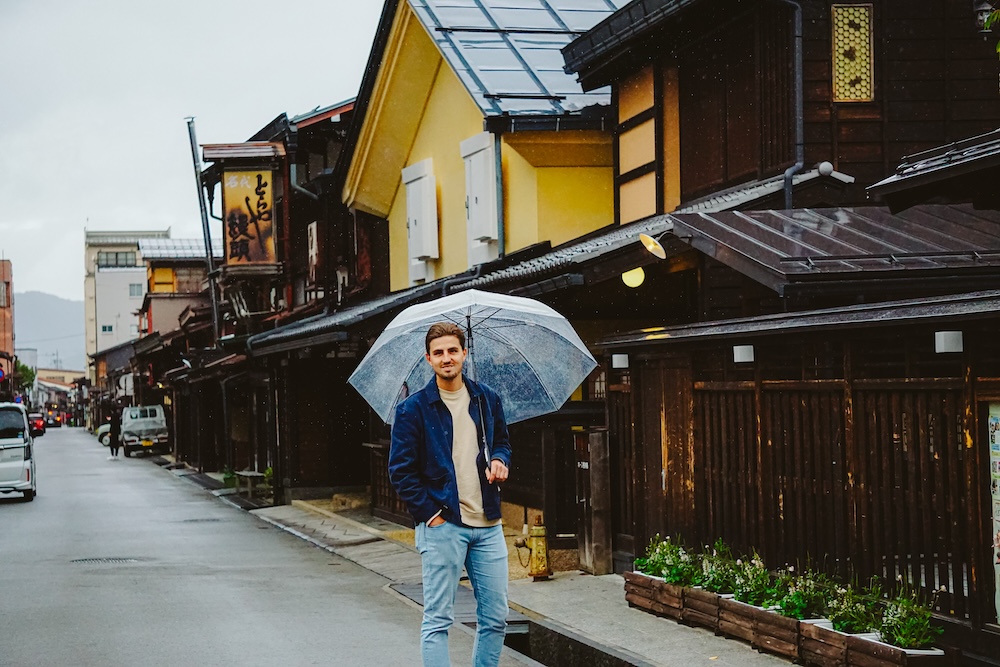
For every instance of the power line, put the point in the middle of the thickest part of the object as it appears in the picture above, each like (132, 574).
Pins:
(46, 340)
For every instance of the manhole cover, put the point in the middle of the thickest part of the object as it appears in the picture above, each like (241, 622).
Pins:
(201, 520)
(111, 561)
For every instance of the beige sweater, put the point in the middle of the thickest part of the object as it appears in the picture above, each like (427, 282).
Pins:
(464, 449)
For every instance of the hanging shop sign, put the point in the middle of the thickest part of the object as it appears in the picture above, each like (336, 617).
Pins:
(248, 219)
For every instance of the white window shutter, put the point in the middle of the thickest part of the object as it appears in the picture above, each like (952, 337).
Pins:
(480, 187)
(421, 210)
(419, 271)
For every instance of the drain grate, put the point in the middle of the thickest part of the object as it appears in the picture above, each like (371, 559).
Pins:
(110, 561)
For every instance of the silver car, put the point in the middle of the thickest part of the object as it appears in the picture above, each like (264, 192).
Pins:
(17, 461)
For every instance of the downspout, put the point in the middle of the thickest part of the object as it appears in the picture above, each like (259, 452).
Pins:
(501, 240)
(800, 152)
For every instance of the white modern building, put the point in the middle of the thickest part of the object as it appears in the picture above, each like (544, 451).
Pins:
(114, 286)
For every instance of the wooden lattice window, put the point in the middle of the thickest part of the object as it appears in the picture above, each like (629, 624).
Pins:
(853, 68)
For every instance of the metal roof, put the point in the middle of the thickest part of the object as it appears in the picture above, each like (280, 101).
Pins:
(779, 247)
(322, 113)
(247, 149)
(507, 52)
(178, 248)
(973, 305)
(593, 49)
(934, 172)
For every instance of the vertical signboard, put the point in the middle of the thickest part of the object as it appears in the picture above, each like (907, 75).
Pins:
(994, 440)
(247, 201)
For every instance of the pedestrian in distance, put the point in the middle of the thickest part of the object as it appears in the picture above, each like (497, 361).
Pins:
(115, 433)
(450, 451)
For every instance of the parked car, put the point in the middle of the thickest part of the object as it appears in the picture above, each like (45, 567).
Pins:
(53, 418)
(144, 427)
(36, 420)
(104, 434)
(17, 463)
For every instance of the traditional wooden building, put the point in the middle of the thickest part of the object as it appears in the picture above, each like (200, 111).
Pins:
(817, 396)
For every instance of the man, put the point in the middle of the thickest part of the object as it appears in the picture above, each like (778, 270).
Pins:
(450, 451)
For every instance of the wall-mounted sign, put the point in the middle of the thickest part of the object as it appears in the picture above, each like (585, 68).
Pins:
(248, 220)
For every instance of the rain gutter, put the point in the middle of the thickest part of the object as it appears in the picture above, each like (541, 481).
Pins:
(800, 159)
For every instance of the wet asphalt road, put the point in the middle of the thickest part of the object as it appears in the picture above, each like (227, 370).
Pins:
(203, 583)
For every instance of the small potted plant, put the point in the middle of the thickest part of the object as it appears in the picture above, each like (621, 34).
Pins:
(753, 585)
(228, 478)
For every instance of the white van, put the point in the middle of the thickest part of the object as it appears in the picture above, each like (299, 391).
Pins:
(144, 427)
(17, 461)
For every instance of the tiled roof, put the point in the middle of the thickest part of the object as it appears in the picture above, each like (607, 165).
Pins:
(746, 193)
(573, 253)
(888, 313)
(177, 248)
(507, 52)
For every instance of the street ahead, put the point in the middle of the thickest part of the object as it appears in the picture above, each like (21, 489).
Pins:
(202, 583)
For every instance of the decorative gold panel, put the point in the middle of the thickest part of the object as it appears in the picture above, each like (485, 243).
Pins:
(853, 78)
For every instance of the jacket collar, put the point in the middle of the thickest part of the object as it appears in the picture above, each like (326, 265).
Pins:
(434, 394)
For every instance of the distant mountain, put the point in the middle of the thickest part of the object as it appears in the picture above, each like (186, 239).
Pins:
(53, 326)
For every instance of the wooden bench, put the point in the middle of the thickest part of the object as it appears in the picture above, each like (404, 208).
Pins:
(252, 479)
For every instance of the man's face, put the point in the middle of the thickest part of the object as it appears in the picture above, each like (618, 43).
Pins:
(446, 357)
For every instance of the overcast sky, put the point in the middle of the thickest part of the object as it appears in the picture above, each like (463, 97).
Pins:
(93, 100)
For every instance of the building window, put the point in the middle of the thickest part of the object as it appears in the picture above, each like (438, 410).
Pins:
(106, 258)
(853, 77)
(133, 329)
(135, 289)
(4, 294)
(107, 328)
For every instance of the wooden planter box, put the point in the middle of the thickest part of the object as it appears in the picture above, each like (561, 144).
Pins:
(654, 595)
(764, 629)
(822, 646)
(736, 619)
(866, 651)
(701, 608)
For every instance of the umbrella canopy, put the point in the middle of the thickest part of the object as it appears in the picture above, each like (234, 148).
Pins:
(528, 353)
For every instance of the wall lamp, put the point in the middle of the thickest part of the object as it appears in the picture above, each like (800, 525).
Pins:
(982, 10)
(948, 341)
(634, 278)
(653, 244)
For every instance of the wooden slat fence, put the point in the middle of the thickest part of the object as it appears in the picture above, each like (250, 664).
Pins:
(855, 480)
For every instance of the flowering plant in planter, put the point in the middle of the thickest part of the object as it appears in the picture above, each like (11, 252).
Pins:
(718, 569)
(906, 621)
(805, 595)
(853, 609)
(668, 559)
(753, 583)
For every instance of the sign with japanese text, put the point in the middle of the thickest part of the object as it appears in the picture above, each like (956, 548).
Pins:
(248, 220)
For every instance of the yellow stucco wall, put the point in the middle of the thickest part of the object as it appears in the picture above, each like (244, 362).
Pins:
(520, 195)
(573, 201)
(449, 118)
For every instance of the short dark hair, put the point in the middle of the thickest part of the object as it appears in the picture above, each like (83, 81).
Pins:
(441, 329)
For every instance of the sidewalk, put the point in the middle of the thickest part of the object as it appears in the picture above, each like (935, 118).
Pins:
(589, 613)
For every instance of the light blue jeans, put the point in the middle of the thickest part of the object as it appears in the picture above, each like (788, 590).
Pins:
(443, 551)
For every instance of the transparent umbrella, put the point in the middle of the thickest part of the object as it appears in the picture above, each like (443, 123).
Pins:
(527, 352)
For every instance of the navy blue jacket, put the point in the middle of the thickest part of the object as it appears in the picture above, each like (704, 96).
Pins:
(421, 467)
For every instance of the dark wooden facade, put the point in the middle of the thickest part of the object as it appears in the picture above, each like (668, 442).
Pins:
(859, 452)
